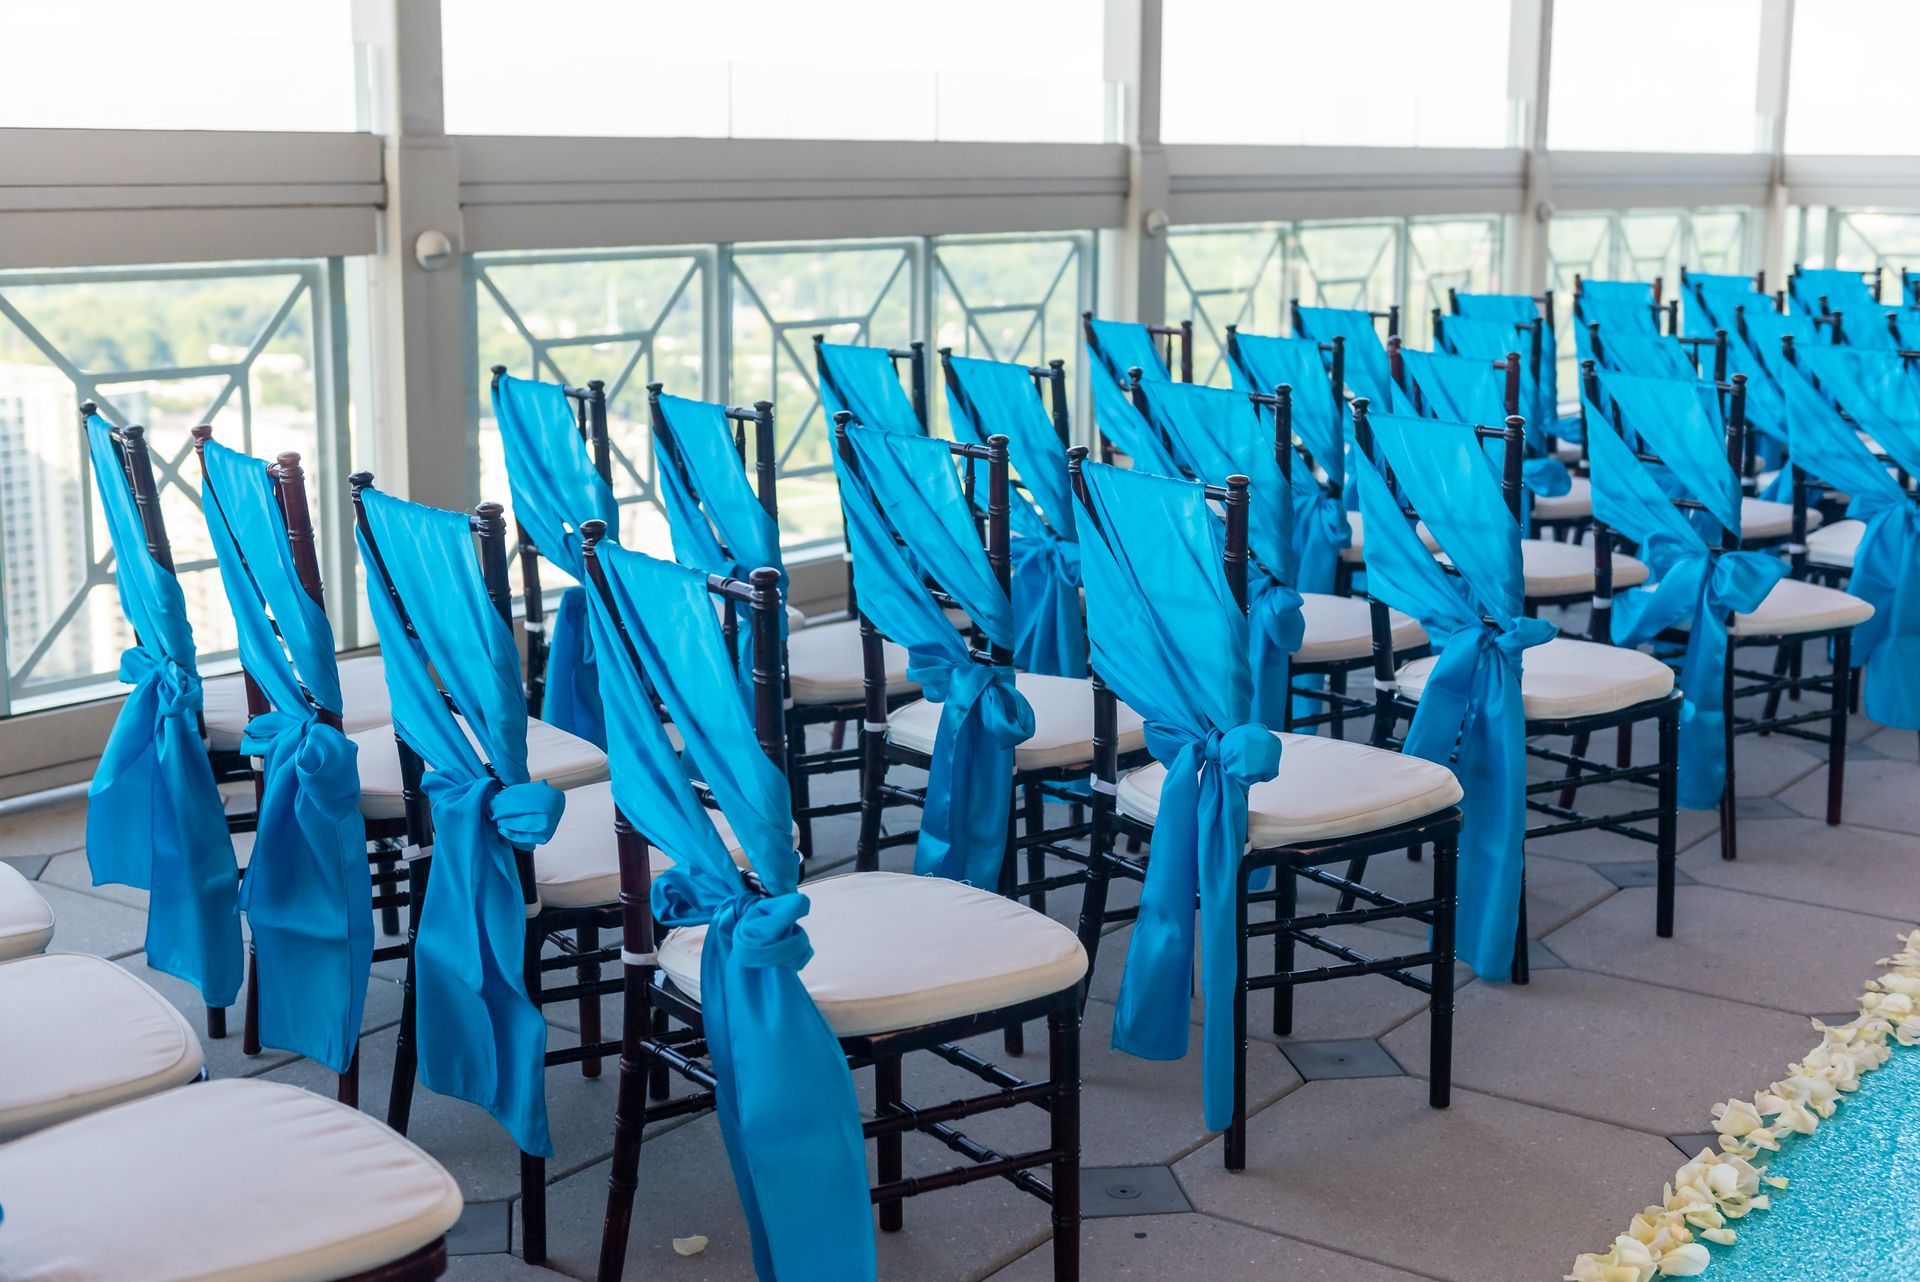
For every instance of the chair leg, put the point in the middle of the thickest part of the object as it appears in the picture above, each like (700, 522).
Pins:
(1837, 732)
(1236, 1138)
(1623, 746)
(1729, 819)
(1522, 972)
(389, 915)
(1015, 1036)
(405, 1054)
(533, 1170)
(1785, 658)
(886, 1099)
(216, 1022)
(1063, 1070)
(347, 1087)
(629, 1127)
(1356, 870)
(1581, 742)
(1799, 658)
(802, 791)
(1337, 686)
(873, 776)
(1284, 910)
(659, 1080)
(250, 1012)
(1668, 824)
(1440, 1003)
(586, 939)
(1036, 823)
(533, 1208)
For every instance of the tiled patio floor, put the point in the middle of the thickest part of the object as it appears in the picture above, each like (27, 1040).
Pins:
(1566, 1090)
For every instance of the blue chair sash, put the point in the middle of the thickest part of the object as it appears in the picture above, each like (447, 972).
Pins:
(1320, 528)
(1886, 565)
(783, 1094)
(480, 1036)
(1468, 389)
(1170, 640)
(1694, 583)
(907, 486)
(996, 397)
(307, 895)
(1470, 715)
(716, 520)
(1367, 371)
(1519, 309)
(1117, 347)
(1218, 433)
(862, 381)
(555, 488)
(154, 816)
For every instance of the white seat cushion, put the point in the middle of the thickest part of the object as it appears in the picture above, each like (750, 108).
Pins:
(580, 865)
(561, 759)
(82, 1035)
(824, 665)
(1326, 788)
(1357, 527)
(1795, 606)
(1765, 519)
(1341, 628)
(232, 1180)
(1569, 678)
(1062, 723)
(1836, 544)
(892, 952)
(26, 923)
(1562, 569)
(363, 695)
(1576, 504)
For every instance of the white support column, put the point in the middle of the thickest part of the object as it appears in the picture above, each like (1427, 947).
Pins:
(1770, 116)
(1529, 68)
(1133, 257)
(416, 293)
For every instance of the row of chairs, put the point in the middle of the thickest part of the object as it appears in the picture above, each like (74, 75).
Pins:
(1004, 577)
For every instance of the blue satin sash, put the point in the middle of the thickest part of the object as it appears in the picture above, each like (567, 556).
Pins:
(1694, 584)
(1886, 565)
(1470, 716)
(1217, 433)
(783, 1095)
(1320, 527)
(1521, 309)
(999, 398)
(1366, 367)
(1117, 347)
(480, 1036)
(1170, 640)
(155, 820)
(307, 895)
(555, 488)
(906, 486)
(863, 382)
(1468, 389)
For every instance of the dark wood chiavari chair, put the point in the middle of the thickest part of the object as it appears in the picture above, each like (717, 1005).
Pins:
(557, 924)
(648, 1051)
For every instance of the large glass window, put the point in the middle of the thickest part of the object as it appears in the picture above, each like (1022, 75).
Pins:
(253, 349)
(1652, 75)
(1636, 244)
(185, 64)
(1247, 275)
(1863, 239)
(992, 70)
(1841, 99)
(736, 323)
(1400, 73)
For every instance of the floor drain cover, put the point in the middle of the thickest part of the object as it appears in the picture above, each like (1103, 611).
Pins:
(481, 1230)
(1641, 873)
(1333, 1060)
(1130, 1190)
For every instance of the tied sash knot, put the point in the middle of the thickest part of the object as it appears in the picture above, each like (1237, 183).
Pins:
(1200, 836)
(982, 717)
(1471, 718)
(1276, 628)
(1546, 478)
(174, 688)
(518, 815)
(1701, 588)
(1049, 633)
